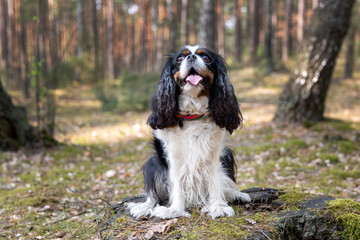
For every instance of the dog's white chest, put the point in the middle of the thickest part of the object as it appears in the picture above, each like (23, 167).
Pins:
(193, 151)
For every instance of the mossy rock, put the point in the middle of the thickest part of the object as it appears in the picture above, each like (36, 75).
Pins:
(274, 214)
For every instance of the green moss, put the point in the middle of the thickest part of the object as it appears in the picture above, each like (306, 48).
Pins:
(201, 228)
(293, 198)
(237, 227)
(121, 220)
(347, 214)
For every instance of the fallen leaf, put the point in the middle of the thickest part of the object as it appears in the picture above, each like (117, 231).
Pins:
(149, 234)
(162, 227)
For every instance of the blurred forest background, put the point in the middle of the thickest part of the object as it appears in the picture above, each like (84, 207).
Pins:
(47, 45)
(84, 70)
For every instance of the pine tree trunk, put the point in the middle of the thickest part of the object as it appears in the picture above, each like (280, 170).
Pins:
(184, 20)
(3, 26)
(300, 23)
(254, 29)
(96, 41)
(238, 34)
(286, 50)
(24, 63)
(220, 27)
(110, 39)
(10, 36)
(208, 31)
(303, 98)
(172, 26)
(268, 38)
(350, 49)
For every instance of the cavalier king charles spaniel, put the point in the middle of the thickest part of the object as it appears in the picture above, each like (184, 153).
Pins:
(193, 111)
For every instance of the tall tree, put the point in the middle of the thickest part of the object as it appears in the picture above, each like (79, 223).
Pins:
(238, 34)
(276, 39)
(303, 97)
(110, 39)
(300, 22)
(254, 26)
(350, 50)
(268, 38)
(147, 36)
(220, 27)
(24, 61)
(208, 31)
(160, 34)
(95, 30)
(184, 20)
(10, 34)
(79, 20)
(286, 50)
(43, 35)
(315, 3)
(3, 26)
(172, 26)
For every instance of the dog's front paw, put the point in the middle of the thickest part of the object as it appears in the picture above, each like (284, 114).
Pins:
(216, 209)
(168, 212)
(138, 210)
(241, 196)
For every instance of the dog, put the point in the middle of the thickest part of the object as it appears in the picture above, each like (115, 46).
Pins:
(193, 110)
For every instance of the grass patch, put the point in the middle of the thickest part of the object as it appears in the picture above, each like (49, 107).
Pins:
(294, 144)
(333, 158)
(347, 147)
(32, 196)
(340, 174)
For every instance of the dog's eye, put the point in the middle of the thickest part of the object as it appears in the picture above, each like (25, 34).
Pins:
(205, 58)
(180, 59)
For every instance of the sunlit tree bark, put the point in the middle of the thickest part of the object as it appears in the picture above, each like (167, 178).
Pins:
(303, 98)
(300, 22)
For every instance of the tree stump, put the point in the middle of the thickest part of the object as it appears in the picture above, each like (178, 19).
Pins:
(308, 217)
(15, 130)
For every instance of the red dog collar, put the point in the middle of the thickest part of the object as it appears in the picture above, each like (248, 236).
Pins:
(189, 117)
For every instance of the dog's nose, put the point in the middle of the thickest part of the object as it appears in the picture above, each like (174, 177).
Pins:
(191, 57)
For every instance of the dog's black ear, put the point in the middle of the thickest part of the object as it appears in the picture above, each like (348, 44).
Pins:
(223, 103)
(164, 103)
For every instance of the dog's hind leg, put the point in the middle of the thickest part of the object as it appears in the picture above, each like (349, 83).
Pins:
(155, 172)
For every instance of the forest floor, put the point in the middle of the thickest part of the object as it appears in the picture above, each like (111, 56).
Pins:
(65, 192)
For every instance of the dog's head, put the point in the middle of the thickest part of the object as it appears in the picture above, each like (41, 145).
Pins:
(198, 72)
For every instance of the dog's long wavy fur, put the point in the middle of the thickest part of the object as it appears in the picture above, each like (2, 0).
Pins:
(191, 165)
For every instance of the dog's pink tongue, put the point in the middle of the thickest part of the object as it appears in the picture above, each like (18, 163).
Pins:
(194, 79)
